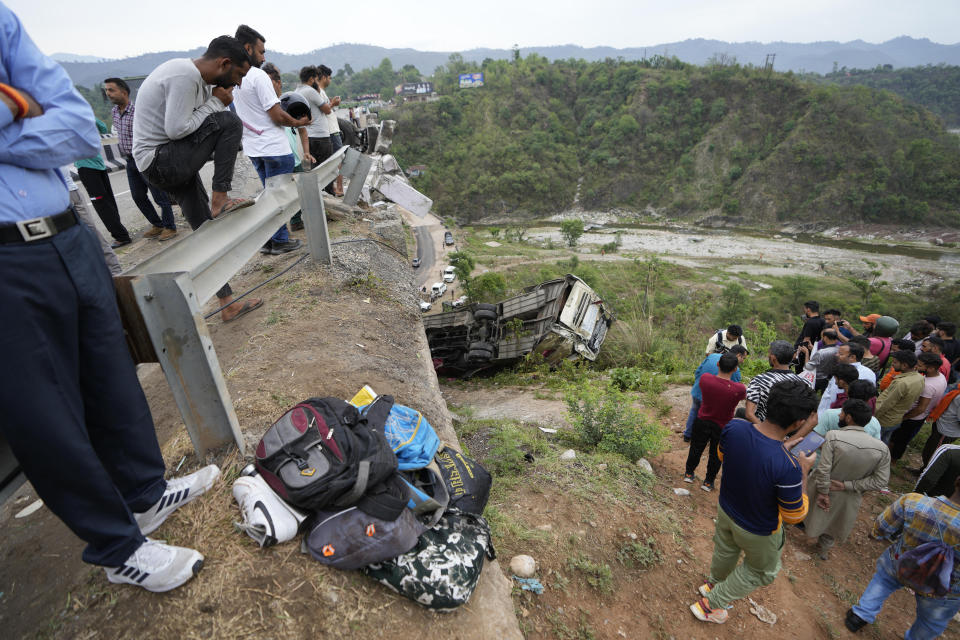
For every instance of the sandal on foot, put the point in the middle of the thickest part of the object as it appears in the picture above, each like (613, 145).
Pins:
(232, 205)
(245, 309)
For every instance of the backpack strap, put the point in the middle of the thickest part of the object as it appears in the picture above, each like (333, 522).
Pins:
(433, 505)
(377, 412)
(359, 487)
(386, 501)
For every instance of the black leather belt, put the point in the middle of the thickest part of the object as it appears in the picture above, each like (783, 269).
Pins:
(37, 228)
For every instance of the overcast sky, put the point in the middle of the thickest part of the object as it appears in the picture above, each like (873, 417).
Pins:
(115, 29)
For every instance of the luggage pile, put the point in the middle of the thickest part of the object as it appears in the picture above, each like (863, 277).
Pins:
(373, 489)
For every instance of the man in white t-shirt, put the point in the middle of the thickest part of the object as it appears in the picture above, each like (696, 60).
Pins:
(264, 140)
(934, 386)
(318, 131)
(333, 126)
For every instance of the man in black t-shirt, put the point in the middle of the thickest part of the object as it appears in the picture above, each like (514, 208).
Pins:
(951, 348)
(813, 325)
(812, 328)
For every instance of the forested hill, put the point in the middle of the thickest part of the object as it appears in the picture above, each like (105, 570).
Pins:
(688, 139)
(937, 87)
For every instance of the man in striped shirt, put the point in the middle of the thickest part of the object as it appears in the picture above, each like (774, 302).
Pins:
(780, 356)
(913, 520)
(163, 227)
(764, 486)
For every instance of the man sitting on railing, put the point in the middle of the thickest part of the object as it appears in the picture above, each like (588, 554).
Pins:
(180, 121)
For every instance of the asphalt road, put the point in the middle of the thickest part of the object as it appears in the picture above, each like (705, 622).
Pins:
(426, 252)
(130, 215)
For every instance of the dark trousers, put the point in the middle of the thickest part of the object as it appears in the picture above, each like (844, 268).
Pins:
(705, 432)
(933, 443)
(902, 436)
(321, 149)
(73, 410)
(176, 167)
(97, 184)
(138, 191)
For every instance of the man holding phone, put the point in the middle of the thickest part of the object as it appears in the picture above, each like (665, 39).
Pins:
(851, 463)
(764, 486)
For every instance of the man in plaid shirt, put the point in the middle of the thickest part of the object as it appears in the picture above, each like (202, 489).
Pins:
(165, 228)
(915, 520)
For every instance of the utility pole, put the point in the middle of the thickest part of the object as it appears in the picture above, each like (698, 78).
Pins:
(768, 63)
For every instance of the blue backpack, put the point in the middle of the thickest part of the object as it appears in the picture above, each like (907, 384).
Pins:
(412, 439)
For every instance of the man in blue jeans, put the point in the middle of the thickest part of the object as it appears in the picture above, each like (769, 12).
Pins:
(915, 520)
(264, 140)
(709, 365)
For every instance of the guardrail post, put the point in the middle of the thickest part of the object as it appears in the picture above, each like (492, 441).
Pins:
(355, 168)
(314, 218)
(185, 351)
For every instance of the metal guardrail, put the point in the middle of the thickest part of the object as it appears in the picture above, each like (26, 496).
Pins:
(161, 298)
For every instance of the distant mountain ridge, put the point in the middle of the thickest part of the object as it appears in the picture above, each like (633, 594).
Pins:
(817, 57)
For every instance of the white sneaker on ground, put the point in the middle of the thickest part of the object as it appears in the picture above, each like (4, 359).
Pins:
(157, 567)
(179, 492)
(266, 517)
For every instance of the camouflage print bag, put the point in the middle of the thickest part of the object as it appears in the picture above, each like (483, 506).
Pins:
(442, 571)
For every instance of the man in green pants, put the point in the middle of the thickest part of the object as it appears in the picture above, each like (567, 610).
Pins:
(764, 485)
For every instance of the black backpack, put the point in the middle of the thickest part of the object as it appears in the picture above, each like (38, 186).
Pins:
(443, 569)
(722, 348)
(323, 453)
(467, 482)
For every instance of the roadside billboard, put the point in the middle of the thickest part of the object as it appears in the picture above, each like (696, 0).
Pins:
(470, 80)
(414, 88)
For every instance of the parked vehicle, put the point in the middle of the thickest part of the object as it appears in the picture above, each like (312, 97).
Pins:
(459, 302)
(438, 289)
(449, 275)
(416, 262)
(562, 319)
(425, 306)
(448, 238)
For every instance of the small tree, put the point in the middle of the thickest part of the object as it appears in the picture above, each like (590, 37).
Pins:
(571, 230)
(495, 232)
(734, 305)
(869, 289)
(463, 265)
(488, 287)
(652, 272)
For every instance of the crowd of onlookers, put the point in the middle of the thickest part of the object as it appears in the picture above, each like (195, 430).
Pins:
(227, 100)
(790, 457)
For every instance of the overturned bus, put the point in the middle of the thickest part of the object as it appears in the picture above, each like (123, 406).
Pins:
(562, 319)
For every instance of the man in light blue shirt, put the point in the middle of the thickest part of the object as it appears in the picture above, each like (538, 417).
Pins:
(709, 365)
(73, 411)
(851, 354)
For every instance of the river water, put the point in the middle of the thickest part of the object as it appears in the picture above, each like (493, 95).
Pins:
(754, 253)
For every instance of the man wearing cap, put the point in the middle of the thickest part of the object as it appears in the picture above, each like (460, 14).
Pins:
(881, 347)
(722, 341)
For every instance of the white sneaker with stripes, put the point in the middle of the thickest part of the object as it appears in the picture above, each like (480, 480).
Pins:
(179, 492)
(157, 567)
